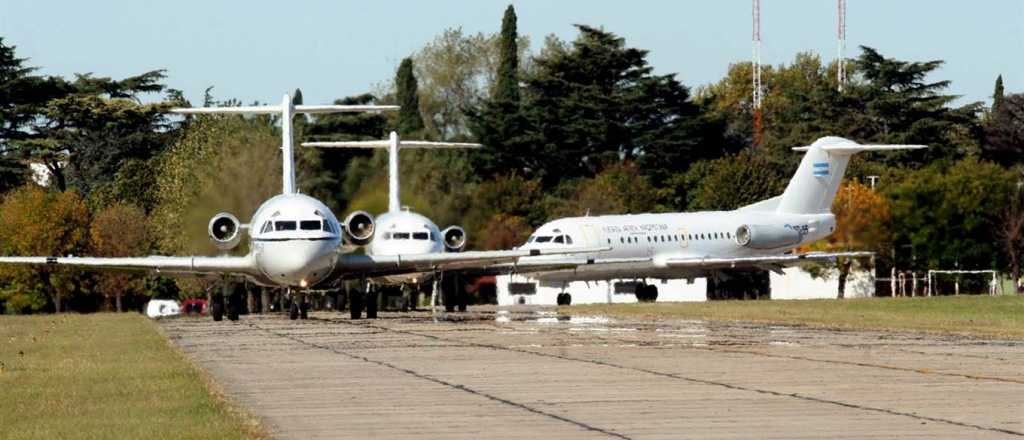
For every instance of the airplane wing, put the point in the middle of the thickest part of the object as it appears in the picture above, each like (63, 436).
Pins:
(774, 263)
(156, 264)
(380, 265)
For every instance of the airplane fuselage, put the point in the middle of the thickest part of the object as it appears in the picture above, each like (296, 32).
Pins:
(404, 233)
(643, 245)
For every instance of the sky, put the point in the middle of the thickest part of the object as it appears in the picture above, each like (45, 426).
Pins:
(258, 50)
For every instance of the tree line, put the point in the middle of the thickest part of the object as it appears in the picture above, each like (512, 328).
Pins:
(570, 128)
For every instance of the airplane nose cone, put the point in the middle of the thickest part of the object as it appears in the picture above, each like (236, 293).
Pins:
(295, 263)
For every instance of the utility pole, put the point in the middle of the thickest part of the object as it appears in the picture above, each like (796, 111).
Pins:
(756, 64)
(841, 33)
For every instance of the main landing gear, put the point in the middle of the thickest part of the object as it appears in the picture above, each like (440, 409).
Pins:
(299, 308)
(646, 293)
(358, 300)
(232, 293)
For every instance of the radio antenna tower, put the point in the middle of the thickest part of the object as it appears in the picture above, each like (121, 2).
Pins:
(756, 64)
(841, 32)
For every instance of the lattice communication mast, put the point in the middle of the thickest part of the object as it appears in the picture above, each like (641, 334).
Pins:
(841, 33)
(756, 64)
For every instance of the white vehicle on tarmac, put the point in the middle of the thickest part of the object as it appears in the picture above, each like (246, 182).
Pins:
(696, 244)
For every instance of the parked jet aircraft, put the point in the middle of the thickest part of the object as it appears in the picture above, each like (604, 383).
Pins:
(688, 245)
(295, 241)
(401, 231)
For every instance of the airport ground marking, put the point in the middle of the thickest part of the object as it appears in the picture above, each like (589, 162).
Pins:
(706, 381)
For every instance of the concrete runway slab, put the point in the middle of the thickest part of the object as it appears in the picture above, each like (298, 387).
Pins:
(532, 374)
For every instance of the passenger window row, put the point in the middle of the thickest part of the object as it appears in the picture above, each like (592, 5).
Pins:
(678, 237)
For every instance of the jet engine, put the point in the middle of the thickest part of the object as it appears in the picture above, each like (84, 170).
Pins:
(225, 231)
(768, 236)
(359, 227)
(454, 238)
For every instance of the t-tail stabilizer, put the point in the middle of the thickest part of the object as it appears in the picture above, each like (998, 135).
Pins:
(393, 144)
(813, 188)
(286, 111)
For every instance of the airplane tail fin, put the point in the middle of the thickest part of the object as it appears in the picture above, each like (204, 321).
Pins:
(813, 188)
(393, 144)
(286, 110)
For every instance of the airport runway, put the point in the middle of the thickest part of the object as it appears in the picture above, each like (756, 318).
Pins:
(532, 374)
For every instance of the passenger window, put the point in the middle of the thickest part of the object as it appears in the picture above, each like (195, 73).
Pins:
(728, 235)
(560, 239)
(310, 225)
(401, 235)
(284, 226)
(621, 240)
(420, 235)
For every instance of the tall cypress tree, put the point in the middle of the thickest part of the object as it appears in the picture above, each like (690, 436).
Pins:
(409, 119)
(507, 87)
(997, 95)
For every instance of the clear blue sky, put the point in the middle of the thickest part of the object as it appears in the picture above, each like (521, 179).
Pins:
(258, 50)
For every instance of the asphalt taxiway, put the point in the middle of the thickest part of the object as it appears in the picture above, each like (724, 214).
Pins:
(530, 373)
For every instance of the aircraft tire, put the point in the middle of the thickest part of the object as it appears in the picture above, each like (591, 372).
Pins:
(355, 304)
(652, 293)
(567, 299)
(304, 311)
(217, 310)
(463, 302)
(641, 293)
(560, 299)
(371, 304)
(234, 306)
(293, 312)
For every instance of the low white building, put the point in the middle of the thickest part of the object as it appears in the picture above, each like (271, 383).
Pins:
(795, 284)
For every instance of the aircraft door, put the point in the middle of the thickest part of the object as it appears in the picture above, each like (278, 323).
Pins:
(683, 242)
(591, 238)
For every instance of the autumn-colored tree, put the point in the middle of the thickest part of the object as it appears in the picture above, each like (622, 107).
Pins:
(119, 230)
(503, 231)
(34, 221)
(1011, 234)
(862, 224)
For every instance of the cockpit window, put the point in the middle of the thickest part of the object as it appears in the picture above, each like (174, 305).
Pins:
(327, 227)
(400, 235)
(287, 225)
(309, 225)
(568, 239)
(267, 227)
(543, 239)
(560, 239)
(420, 236)
(387, 236)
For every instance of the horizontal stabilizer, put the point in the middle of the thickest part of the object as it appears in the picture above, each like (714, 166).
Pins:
(276, 109)
(386, 144)
(856, 148)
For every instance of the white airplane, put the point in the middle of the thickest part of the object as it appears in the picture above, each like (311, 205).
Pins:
(295, 241)
(696, 244)
(399, 230)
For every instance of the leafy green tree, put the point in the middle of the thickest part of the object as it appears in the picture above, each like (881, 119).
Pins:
(1004, 131)
(335, 175)
(34, 221)
(998, 93)
(409, 118)
(733, 181)
(588, 105)
(507, 85)
(949, 214)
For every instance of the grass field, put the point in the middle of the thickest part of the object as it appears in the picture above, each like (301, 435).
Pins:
(975, 315)
(105, 376)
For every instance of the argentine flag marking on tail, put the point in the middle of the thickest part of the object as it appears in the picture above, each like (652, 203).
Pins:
(820, 169)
